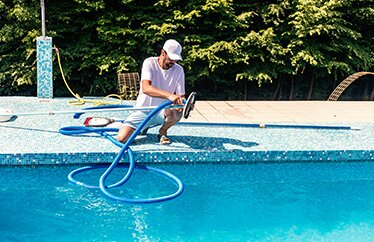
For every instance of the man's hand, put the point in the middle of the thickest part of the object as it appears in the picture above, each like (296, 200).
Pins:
(176, 99)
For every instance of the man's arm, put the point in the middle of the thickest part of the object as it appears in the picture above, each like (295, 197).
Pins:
(152, 91)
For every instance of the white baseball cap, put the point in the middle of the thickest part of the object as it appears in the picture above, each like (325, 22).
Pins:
(173, 49)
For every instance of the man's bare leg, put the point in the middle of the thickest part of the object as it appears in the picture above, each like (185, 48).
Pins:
(124, 133)
(172, 116)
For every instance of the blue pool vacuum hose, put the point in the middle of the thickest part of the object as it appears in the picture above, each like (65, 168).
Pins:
(125, 149)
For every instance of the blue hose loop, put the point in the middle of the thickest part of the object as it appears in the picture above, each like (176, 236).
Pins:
(120, 154)
(173, 178)
(76, 130)
(117, 184)
(125, 148)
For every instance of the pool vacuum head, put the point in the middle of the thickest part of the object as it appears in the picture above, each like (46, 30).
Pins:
(189, 105)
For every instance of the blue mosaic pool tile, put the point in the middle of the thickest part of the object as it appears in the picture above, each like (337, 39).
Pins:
(190, 157)
(44, 67)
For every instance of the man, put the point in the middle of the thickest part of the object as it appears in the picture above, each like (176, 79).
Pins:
(161, 79)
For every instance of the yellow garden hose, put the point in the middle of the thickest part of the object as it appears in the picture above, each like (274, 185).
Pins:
(81, 101)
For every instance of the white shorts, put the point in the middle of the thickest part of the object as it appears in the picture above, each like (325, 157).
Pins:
(136, 117)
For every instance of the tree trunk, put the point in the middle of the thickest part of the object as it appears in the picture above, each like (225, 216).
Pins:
(276, 90)
(365, 96)
(372, 95)
(291, 89)
(311, 88)
(280, 90)
(245, 89)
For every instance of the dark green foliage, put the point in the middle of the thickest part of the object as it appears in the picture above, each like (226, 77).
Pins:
(17, 46)
(232, 49)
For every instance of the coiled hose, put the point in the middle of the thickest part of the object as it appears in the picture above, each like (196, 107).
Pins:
(125, 148)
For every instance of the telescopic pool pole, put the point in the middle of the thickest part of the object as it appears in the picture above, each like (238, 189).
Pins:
(44, 61)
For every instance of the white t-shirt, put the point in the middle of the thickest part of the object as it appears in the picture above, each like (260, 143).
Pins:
(171, 80)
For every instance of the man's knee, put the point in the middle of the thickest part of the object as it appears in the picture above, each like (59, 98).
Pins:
(173, 116)
(124, 133)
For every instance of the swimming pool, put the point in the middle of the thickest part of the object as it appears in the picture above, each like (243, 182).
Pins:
(330, 201)
(240, 183)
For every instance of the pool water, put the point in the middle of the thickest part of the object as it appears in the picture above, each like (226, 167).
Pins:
(222, 202)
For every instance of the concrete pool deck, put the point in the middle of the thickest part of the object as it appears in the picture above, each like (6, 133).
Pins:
(36, 139)
(283, 111)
